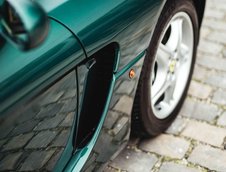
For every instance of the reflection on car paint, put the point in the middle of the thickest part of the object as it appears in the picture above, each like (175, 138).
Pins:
(35, 137)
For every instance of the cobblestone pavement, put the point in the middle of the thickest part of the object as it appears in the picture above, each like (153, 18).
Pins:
(196, 141)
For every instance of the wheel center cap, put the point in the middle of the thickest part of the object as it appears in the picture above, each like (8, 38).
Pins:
(172, 66)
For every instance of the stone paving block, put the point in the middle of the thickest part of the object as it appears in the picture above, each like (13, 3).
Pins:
(50, 123)
(166, 145)
(205, 132)
(177, 126)
(209, 47)
(18, 141)
(219, 97)
(219, 25)
(212, 62)
(36, 160)
(199, 90)
(41, 140)
(209, 157)
(199, 110)
(222, 120)
(217, 37)
(124, 105)
(204, 32)
(210, 13)
(132, 161)
(200, 73)
(173, 167)
(10, 161)
(216, 79)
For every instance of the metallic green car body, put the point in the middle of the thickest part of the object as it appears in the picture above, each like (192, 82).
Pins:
(80, 31)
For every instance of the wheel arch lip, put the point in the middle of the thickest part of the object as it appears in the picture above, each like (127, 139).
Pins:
(200, 7)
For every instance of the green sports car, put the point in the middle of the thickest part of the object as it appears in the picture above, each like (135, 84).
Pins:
(79, 77)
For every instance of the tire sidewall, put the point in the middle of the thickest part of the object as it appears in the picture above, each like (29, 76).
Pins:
(152, 124)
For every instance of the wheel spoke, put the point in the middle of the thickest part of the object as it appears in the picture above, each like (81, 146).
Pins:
(172, 65)
(175, 39)
(158, 93)
(163, 106)
(179, 25)
(184, 53)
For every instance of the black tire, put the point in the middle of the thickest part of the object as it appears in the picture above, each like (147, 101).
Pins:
(144, 122)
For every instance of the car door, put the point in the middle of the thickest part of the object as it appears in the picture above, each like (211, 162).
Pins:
(38, 102)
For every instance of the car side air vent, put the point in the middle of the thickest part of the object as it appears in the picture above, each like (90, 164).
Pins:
(96, 91)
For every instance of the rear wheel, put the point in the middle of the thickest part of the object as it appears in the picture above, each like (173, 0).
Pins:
(167, 69)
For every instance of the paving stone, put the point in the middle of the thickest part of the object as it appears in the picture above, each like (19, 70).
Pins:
(216, 79)
(209, 47)
(36, 160)
(210, 13)
(224, 53)
(18, 141)
(166, 145)
(212, 62)
(206, 133)
(50, 123)
(68, 121)
(199, 90)
(25, 127)
(219, 97)
(209, 157)
(200, 73)
(173, 167)
(132, 161)
(41, 140)
(219, 25)
(124, 105)
(50, 111)
(204, 32)
(217, 37)
(62, 139)
(10, 161)
(177, 126)
(222, 120)
(199, 110)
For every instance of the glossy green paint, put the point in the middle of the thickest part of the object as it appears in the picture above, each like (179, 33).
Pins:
(22, 73)
(99, 23)
(95, 25)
